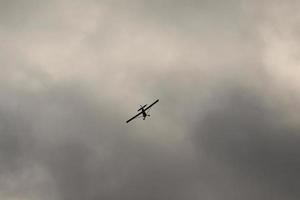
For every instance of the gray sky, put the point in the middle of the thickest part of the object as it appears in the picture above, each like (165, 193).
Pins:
(226, 73)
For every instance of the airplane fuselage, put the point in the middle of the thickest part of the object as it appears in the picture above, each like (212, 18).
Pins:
(144, 113)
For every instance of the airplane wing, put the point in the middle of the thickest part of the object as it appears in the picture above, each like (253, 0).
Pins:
(152, 104)
(134, 117)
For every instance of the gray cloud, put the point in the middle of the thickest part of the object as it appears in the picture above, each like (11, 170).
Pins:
(250, 136)
(82, 157)
(72, 72)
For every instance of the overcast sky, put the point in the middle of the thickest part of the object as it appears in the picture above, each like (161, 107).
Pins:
(226, 73)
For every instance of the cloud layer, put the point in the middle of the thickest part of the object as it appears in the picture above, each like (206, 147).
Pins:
(72, 72)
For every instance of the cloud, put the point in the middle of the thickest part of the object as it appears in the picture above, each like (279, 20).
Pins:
(75, 149)
(72, 72)
(249, 136)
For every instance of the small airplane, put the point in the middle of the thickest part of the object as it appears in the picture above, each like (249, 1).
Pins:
(143, 112)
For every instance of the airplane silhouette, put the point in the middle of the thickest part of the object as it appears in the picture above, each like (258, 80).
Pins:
(143, 112)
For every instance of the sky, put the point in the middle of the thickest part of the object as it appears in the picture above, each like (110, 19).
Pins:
(226, 73)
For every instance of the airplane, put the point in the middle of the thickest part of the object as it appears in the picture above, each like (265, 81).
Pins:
(143, 112)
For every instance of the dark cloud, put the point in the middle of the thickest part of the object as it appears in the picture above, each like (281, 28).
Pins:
(85, 151)
(15, 140)
(73, 71)
(250, 136)
(242, 148)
